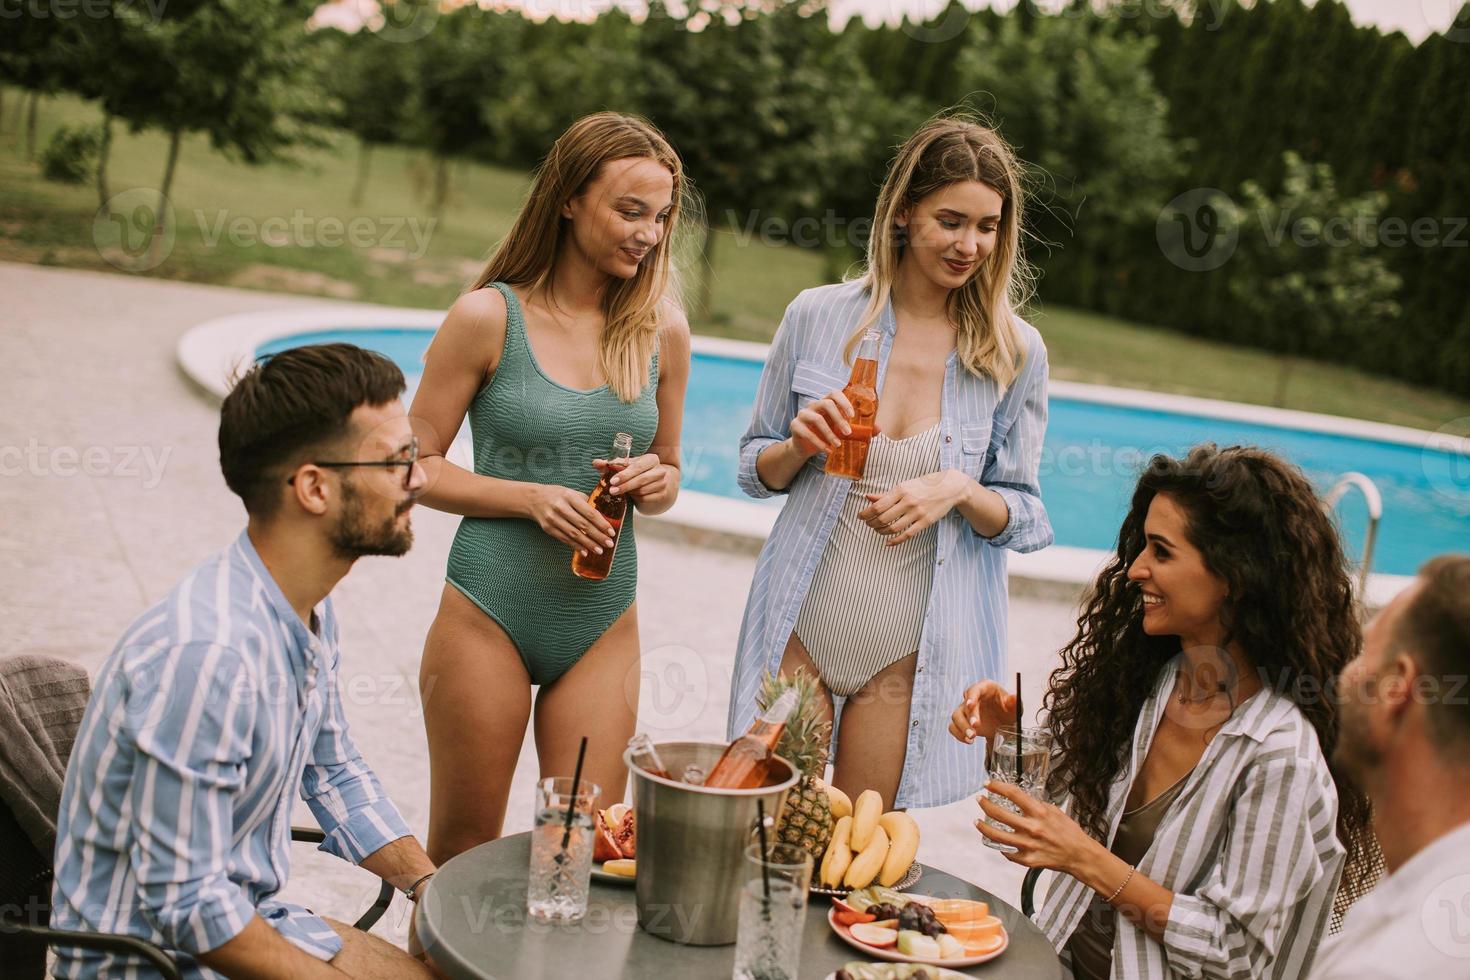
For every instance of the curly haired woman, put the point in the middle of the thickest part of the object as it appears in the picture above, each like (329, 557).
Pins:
(1202, 831)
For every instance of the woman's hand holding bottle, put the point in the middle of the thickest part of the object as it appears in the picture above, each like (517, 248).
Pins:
(821, 426)
(566, 515)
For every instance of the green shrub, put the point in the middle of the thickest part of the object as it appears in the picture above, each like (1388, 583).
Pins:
(71, 156)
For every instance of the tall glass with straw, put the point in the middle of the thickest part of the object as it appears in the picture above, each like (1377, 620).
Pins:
(561, 847)
(772, 909)
(1020, 756)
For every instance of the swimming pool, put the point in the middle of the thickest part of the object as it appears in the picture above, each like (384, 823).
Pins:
(1093, 452)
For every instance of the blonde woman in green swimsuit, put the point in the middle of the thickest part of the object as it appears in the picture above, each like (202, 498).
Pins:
(569, 336)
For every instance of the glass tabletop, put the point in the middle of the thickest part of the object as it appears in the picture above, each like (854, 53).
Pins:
(472, 920)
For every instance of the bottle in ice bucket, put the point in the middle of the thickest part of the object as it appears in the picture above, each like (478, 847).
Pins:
(747, 762)
(612, 507)
(851, 456)
(645, 757)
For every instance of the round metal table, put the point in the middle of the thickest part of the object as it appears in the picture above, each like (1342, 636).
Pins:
(472, 920)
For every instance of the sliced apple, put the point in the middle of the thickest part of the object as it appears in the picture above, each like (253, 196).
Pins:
(874, 935)
(949, 947)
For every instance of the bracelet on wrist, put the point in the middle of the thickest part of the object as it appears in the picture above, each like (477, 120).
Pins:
(412, 890)
(1119, 890)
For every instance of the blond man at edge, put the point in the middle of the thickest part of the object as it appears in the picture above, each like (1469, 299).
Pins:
(1406, 739)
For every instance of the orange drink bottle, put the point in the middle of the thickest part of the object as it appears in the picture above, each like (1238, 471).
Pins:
(646, 757)
(612, 508)
(747, 761)
(851, 456)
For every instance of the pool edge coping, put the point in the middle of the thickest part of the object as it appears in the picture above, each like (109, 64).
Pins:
(210, 351)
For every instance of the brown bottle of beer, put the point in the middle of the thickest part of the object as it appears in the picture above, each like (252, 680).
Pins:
(612, 507)
(851, 457)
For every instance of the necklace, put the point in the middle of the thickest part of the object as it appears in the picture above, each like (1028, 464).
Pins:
(1201, 700)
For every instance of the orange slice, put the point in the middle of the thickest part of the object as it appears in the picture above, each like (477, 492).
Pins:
(986, 946)
(982, 930)
(954, 911)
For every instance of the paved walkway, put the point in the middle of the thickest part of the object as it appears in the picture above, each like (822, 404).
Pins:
(110, 491)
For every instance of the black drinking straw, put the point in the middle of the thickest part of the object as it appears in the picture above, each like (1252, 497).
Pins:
(760, 810)
(1019, 740)
(566, 837)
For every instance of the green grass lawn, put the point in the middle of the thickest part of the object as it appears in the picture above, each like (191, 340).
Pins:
(53, 224)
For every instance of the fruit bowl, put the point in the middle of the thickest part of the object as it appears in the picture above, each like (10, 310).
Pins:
(909, 880)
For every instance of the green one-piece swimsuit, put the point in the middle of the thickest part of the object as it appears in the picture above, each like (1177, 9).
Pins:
(528, 427)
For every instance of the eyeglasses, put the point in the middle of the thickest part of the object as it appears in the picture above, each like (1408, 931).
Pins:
(407, 462)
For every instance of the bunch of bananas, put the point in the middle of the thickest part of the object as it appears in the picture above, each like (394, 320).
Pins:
(867, 844)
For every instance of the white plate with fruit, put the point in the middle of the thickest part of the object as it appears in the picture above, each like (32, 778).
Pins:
(944, 932)
(894, 971)
(614, 845)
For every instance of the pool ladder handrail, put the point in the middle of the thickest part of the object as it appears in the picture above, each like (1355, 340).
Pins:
(1374, 500)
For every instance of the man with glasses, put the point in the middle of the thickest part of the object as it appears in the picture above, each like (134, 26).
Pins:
(221, 703)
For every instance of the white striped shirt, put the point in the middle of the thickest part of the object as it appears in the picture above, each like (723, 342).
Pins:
(1249, 848)
(217, 707)
(994, 436)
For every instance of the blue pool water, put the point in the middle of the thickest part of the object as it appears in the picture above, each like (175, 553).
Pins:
(1091, 459)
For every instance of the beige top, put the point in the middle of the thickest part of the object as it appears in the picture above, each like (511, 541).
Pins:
(865, 608)
(1091, 944)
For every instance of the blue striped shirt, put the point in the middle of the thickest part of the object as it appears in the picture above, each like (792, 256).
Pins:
(993, 435)
(217, 707)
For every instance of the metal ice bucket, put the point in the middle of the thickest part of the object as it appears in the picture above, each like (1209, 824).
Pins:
(691, 844)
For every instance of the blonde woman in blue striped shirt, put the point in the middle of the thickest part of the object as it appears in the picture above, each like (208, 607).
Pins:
(892, 588)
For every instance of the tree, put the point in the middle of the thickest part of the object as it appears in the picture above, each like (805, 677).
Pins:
(1075, 97)
(455, 67)
(759, 103)
(39, 55)
(1305, 269)
(229, 69)
(548, 91)
(369, 76)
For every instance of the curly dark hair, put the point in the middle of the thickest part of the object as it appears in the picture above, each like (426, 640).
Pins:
(1259, 526)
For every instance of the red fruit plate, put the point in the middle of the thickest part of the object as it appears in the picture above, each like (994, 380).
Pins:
(894, 956)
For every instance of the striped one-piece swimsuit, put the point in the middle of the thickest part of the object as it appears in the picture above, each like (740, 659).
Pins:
(865, 607)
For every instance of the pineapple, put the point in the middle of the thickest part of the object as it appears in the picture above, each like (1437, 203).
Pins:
(806, 819)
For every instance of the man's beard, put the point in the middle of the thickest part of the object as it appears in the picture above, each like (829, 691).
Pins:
(1354, 756)
(355, 536)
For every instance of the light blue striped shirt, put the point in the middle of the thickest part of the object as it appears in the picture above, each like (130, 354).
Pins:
(215, 709)
(995, 436)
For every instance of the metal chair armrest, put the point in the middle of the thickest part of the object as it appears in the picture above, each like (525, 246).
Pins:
(372, 915)
(104, 941)
(308, 835)
(1028, 892)
(314, 835)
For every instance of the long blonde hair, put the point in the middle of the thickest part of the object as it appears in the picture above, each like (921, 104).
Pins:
(946, 150)
(633, 309)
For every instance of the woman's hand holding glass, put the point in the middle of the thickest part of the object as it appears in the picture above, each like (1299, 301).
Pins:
(1042, 834)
